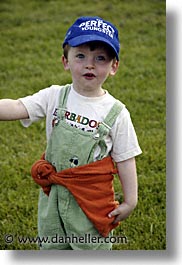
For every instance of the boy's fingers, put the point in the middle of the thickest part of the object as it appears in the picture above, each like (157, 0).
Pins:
(113, 213)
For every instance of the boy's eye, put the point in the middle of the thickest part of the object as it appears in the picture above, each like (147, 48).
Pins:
(80, 56)
(100, 58)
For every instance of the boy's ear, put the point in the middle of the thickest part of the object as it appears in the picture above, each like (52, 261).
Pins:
(65, 62)
(114, 67)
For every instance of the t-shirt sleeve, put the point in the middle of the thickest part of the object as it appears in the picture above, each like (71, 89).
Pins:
(36, 105)
(125, 142)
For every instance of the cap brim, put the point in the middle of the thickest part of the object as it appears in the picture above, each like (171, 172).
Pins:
(88, 38)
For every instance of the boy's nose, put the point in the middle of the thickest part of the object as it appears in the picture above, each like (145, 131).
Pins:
(90, 63)
(90, 67)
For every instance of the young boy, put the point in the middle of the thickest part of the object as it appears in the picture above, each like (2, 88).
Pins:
(85, 127)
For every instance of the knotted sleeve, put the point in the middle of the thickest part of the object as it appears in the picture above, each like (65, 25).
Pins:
(41, 172)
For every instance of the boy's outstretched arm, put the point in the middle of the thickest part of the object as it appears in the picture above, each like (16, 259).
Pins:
(11, 109)
(128, 179)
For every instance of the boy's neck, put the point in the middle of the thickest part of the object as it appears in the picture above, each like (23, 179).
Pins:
(86, 92)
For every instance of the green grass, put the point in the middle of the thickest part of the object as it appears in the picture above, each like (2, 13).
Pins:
(30, 49)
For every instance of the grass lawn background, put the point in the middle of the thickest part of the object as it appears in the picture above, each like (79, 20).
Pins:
(31, 34)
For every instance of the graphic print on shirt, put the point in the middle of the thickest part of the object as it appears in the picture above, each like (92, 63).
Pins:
(79, 121)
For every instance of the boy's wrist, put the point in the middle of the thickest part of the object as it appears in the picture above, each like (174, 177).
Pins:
(131, 204)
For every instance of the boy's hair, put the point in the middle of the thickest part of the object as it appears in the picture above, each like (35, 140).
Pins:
(93, 45)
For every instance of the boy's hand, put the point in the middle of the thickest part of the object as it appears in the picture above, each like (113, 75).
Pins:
(121, 212)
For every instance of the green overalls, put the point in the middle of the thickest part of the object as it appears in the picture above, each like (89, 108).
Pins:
(59, 215)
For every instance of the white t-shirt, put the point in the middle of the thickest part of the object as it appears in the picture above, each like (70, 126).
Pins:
(85, 113)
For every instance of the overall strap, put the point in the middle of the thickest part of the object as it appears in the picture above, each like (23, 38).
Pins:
(111, 117)
(113, 114)
(63, 100)
(64, 96)
(106, 126)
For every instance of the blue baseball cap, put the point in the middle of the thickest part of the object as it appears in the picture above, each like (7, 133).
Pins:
(86, 29)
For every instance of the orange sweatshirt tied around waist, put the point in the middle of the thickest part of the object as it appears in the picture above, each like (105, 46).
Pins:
(91, 186)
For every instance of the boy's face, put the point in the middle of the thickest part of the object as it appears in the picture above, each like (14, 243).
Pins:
(89, 69)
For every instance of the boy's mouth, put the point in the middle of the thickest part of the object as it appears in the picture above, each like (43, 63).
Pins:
(89, 75)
